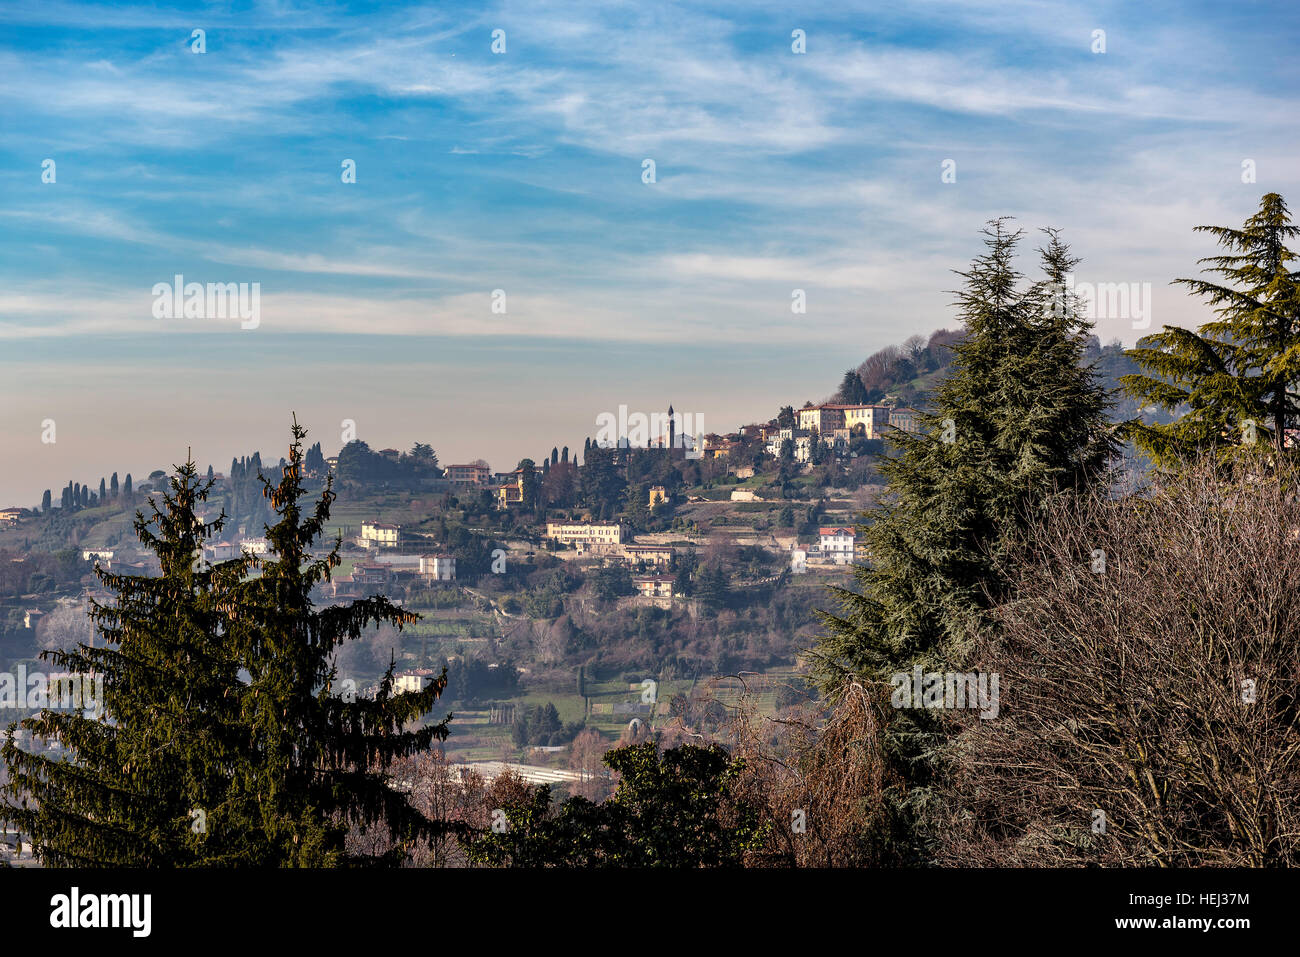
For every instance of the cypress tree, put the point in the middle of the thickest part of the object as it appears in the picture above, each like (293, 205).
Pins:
(1236, 376)
(46, 501)
(852, 391)
(1018, 418)
(112, 485)
(127, 487)
(103, 491)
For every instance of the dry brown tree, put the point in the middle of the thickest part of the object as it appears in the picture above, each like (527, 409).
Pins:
(818, 776)
(1148, 664)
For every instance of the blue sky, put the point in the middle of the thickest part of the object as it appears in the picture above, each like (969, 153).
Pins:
(523, 172)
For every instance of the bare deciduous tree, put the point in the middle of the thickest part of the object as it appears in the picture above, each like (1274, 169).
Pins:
(65, 627)
(1148, 666)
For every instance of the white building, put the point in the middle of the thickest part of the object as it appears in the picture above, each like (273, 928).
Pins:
(254, 546)
(905, 419)
(778, 438)
(102, 556)
(438, 567)
(410, 681)
(835, 543)
(220, 551)
(654, 586)
(588, 534)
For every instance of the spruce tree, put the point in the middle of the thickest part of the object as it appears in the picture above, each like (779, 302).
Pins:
(147, 776)
(322, 755)
(1237, 377)
(1019, 417)
(223, 740)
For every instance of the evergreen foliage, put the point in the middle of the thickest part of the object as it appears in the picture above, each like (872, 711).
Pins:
(1236, 378)
(1019, 418)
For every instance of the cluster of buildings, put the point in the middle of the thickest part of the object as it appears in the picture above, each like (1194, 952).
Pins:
(834, 424)
(831, 422)
(613, 540)
(393, 570)
(474, 475)
(225, 551)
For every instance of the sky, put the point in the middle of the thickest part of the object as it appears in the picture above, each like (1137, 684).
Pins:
(501, 272)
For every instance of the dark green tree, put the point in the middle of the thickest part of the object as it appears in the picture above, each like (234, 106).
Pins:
(612, 581)
(423, 455)
(323, 757)
(852, 391)
(1237, 379)
(531, 484)
(677, 807)
(1019, 418)
(156, 761)
(315, 461)
(220, 710)
(712, 587)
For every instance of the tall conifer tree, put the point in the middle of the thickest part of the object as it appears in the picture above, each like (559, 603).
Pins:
(323, 752)
(1237, 379)
(1018, 418)
(223, 740)
(143, 775)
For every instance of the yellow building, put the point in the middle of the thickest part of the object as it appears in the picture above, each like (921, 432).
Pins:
(872, 418)
(378, 535)
(659, 556)
(657, 494)
(511, 492)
